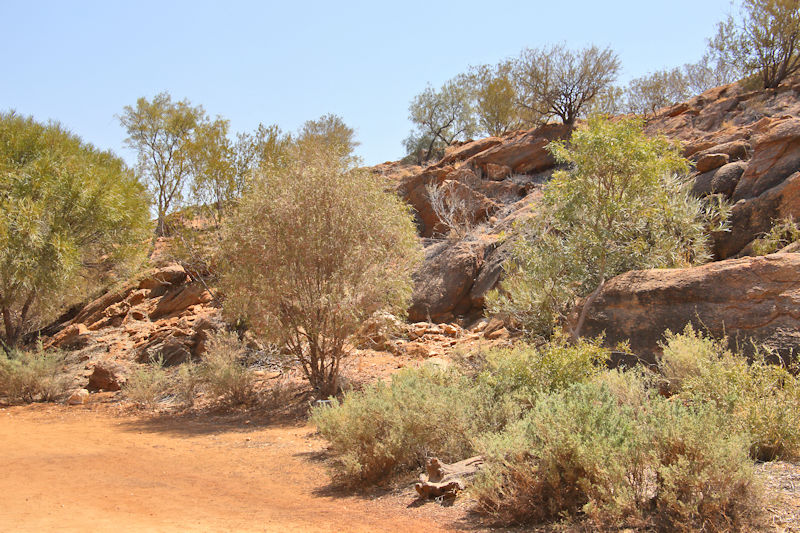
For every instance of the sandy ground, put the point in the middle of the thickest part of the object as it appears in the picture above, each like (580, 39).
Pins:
(99, 468)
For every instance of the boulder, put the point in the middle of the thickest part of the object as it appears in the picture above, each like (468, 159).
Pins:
(79, 397)
(749, 299)
(106, 376)
(719, 181)
(179, 299)
(525, 153)
(776, 156)
(751, 218)
(711, 161)
(72, 337)
(442, 284)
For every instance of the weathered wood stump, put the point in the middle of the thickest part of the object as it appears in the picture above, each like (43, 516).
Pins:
(446, 480)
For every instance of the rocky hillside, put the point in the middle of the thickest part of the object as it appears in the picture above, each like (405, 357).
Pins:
(744, 145)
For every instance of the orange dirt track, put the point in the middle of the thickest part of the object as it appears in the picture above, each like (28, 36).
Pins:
(94, 468)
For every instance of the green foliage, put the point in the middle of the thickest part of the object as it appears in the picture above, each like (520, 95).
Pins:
(651, 92)
(760, 400)
(147, 384)
(67, 212)
(315, 248)
(223, 372)
(33, 376)
(392, 428)
(583, 453)
(494, 99)
(524, 372)
(440, 117)
(764, 39)
(620, 206)
(783, 233)
(330, 133)
(559, 82)
(162, 132)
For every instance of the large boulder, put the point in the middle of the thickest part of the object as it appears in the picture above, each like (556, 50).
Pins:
(524, 153)
(442, 284)
(751, 218)
(776, 156)
(749, 299)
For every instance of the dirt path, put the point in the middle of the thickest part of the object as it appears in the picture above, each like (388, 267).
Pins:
(94, 468)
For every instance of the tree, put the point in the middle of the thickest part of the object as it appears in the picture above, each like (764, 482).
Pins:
(66, 210)
(711, 71)
(440, 117)
(316, 247)
(651, 92)
(558, 82)
(212, 163)
(328, 131)
(494, 97)
(764, 40)
(621, 206)
(161, 132)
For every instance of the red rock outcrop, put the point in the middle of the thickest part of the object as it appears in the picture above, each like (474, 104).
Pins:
(749, 299)
(161, 315)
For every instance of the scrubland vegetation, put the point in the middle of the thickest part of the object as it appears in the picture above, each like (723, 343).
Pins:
(303, 246)
(564, 437)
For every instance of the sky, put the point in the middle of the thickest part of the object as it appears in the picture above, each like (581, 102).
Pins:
(80, 63)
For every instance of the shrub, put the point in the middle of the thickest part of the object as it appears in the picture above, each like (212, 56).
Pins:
(574, 452)
(187, 382)
(620, 206)
(783, 233)
(33, 376)
(582, 454)
(759, 399)
(148, 384)
(223, 372)
(390, 428)
(524, 371)
(704, 479)
(315, 248)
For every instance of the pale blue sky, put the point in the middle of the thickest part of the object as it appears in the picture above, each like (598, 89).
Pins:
(286, 62)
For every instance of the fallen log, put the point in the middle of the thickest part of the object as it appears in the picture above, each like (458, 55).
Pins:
(446, 480)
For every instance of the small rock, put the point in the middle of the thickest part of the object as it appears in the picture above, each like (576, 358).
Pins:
(79, 397)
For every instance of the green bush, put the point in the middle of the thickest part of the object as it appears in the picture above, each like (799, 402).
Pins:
(524, 371)
(574, 452)
(390, 428)
(148, 384)
(761, 400)
(703, 476)
(583, 454)
(33, 376)
(783, 233)
(223, 373)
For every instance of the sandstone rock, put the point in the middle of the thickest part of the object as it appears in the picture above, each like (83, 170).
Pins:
(524, 153)
(79, 397)
(169, 275)
(179, 299)
(497, 172)
(465, 151)
(749, 299)
(776, 156)
(711, 161)
(107, 376)
(751, 218)
(443, 282)
(73, 337)
(720, 181)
